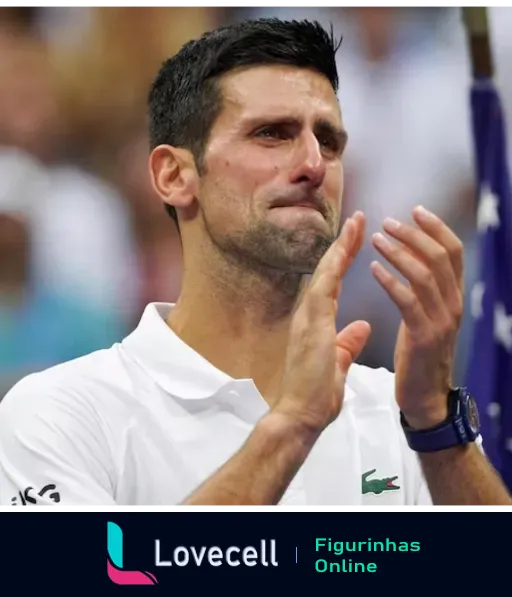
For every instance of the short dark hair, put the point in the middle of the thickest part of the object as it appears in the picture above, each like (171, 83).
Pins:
(184, 99)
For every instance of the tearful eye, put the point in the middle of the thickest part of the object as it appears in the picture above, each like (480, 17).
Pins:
(272, 132)
(329, 143)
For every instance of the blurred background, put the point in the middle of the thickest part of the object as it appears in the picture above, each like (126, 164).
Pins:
(84, 242)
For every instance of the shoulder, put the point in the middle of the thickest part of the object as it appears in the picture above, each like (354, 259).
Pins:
(80, 393)
(64, 426)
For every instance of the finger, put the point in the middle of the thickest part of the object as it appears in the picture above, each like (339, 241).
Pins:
(455, 300)
(358, 231)
(350, 342)
(334, 264)
(418, 274)
(360, 222)
(404, 298)
(441, 233)
(432, 253)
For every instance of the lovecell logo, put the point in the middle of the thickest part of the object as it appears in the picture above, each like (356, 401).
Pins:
(116, 572)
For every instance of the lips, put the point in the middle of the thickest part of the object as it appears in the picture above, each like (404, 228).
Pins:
(291, 203)
(309, 205)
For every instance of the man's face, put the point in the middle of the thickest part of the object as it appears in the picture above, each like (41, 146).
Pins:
(273, 179)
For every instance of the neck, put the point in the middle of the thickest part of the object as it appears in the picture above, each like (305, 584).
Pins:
(238, 320)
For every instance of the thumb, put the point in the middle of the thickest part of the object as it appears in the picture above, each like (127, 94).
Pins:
(350, 342)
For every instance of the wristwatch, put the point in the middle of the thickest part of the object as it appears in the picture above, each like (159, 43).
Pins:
(461, 426)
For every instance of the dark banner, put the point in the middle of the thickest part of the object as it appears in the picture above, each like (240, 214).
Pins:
(273, 553)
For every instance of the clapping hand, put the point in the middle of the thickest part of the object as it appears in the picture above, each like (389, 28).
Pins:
(430, 257)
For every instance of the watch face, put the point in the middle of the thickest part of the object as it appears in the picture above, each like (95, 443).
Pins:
(473, 418)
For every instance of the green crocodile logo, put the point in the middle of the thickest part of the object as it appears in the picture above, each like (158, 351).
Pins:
(377, 486)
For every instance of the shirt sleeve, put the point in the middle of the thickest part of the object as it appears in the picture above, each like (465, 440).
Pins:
(52, 449)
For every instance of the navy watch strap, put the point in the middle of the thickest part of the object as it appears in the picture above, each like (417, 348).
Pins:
(460, 427)
(445, 435)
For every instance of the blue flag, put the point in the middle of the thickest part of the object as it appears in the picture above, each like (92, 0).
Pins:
(489, 375)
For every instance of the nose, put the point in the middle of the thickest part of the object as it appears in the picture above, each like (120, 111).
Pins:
(309, 163)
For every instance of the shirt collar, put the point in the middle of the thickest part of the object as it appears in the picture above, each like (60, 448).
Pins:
(172, 363)
(184, 373)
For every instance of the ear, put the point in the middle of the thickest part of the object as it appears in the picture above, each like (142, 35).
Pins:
(174, 175)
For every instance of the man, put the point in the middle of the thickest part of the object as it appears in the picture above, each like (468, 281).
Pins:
(243, 392)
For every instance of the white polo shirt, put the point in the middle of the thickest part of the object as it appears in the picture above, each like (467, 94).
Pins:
(148, 420)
